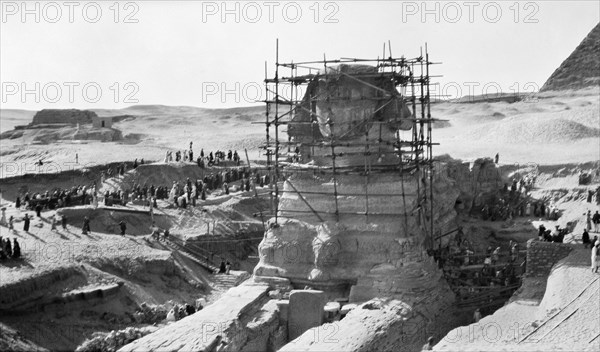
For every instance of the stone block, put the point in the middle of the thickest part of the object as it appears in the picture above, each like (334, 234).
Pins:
(284, 311)
(332, 311)
(347, 308)
(305, 311)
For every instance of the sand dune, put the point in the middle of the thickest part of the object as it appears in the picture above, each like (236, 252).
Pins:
(9, 118)
(548, 128)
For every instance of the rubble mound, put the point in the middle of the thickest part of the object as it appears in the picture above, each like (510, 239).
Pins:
(581, 69)
(68, 116)
(113, 340)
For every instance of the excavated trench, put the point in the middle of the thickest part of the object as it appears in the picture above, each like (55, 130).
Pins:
(241, 250)
(60, 308)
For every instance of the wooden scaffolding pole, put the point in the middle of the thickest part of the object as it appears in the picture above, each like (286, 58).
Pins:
(414, 154)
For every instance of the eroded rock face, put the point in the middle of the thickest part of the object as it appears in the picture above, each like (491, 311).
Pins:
(382, 254)
(355, 109)
(475, 183)
(70, 116)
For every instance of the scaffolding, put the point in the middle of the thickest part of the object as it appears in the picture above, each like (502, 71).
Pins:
(292, 98)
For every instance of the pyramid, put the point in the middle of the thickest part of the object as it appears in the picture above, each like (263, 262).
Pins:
(581, 69)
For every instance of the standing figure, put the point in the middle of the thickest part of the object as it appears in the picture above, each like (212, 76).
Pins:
(514, 252)
(53, 227)
(477, 316)
(7, 248)
(496, 255)
(155, 232)
(595, 250)
(26, 222)
(585, 238)
(16, 249)
(123, 227)
(86, 226)
(63, 220)
(3, 254)
(3, 218)
(596, 221)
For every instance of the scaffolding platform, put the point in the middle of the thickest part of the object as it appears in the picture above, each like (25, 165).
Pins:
(350, 116)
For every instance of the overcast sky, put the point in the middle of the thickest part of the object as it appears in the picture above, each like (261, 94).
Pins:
(206, 54)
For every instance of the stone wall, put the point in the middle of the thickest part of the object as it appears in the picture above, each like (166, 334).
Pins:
(69, 116)
(102, 121)
(541, 256)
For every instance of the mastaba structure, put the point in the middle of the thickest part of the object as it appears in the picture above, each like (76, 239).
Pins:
(357, 203)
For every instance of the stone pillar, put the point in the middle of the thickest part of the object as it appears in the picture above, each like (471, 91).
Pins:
(305, 311)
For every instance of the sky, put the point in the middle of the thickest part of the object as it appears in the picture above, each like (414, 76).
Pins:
(109, 54)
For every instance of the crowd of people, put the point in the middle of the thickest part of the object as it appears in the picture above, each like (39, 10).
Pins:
(57, 198)
(224, 267)
(592, 219)
(470, 273)
(184, 193)
(180, 311)
(203, 160)
(547, 235)
(514, 201)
